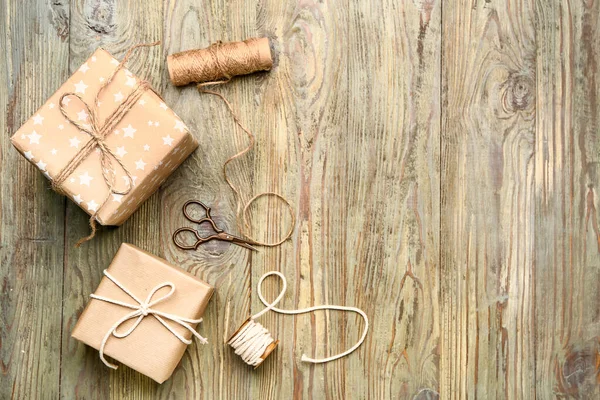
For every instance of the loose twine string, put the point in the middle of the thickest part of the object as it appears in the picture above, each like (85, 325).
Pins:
(141, 311)
(217, 65)
(251, 341)
(98, 131)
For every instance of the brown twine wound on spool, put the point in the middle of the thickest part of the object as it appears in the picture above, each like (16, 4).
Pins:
(98, 131)
(220, 61)
(217, 64)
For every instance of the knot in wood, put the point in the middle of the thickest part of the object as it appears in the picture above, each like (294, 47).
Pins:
(578, 371)
(518, 93)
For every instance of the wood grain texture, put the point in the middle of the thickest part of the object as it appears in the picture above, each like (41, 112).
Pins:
(567, 264)
(442, 158)
(488, 200)
(31, 216)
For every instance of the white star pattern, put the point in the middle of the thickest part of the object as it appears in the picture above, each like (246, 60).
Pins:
(85, 179)
(61, 127)
(129, 131)
(53, 151)
(115, 62)
(72, 180)
(118, 97)
(126, 179)
(179, 125)
(156, 123)
(142, 102)
(92, 206)
(146, 147)
(117, 197)
(74, 142)
(66, 101)
(37, 119)
(140, 164)
(47, 175)
(163, 106)
(80, 87)
(51, 105)
(23, 136)
(77, 199)
(101, 79)
(28, 155)
(94, 58)
(168, 140)
(34, 137)
(41, 165)
(121, 151)
(84, 68)
(82, 115)
(130, 81)
(150, 123)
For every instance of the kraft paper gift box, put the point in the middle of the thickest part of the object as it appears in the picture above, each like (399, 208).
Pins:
(151, 348)
(150, 140)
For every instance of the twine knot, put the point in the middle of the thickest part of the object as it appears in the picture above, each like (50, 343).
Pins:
(142, 310)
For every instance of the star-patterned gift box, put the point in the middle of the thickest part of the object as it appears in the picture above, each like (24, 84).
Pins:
(150, 140)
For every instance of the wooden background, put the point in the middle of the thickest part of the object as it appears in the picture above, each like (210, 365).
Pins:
(444, 160)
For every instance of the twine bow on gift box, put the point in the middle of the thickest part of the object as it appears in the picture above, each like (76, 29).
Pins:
(141, 311)
(98, 131)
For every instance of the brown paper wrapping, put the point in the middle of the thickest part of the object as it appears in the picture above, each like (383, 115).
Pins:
(150, 349)
(150, 140)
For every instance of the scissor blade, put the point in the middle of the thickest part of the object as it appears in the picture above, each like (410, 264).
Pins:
(246, 245)
(242, 242)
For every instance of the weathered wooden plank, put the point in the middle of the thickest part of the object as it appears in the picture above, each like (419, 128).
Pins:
(301, 106)
(567, 264)
(487, 200)
(212, 371)
(116, 26)
(388, 177)
(33, 40)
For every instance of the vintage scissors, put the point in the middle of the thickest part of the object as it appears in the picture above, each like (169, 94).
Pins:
(219, 234)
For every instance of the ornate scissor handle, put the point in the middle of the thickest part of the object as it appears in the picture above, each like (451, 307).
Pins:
(183, 246)
(207, 218)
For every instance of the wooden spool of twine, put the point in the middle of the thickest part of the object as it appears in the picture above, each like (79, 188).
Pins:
(253, 342)
(220, 61)
(270, 348)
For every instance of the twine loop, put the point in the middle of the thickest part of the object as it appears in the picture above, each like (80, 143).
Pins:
(242, 212)
(218, 64)
(142, 310)
(253, 339)
(98, 131)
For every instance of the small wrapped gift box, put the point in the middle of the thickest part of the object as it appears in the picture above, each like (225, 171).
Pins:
(144, 313)
(105, 139)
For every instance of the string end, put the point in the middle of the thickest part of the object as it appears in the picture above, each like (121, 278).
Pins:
(305, 358)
